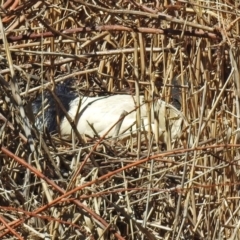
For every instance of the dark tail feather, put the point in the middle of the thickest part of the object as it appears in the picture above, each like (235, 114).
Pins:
(176, 94)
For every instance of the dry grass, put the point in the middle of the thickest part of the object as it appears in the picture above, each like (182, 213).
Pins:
(52, 188)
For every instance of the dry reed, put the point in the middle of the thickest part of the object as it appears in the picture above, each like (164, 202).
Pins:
(52, 188)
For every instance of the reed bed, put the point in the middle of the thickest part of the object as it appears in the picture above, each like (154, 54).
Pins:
(81, 188)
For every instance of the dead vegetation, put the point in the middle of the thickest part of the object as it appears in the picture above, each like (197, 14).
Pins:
(53, 188)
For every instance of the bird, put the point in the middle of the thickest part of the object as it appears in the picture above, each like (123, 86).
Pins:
(109, 116)
(45, 110)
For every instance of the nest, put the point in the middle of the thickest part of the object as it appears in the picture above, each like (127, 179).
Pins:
(81, 188)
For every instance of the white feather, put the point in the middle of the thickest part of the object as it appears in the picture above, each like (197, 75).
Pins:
(104, 112)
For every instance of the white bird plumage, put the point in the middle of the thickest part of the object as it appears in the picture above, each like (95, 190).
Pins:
(103, 112)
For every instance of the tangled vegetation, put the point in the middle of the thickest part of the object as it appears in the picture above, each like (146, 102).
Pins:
(94, 188)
